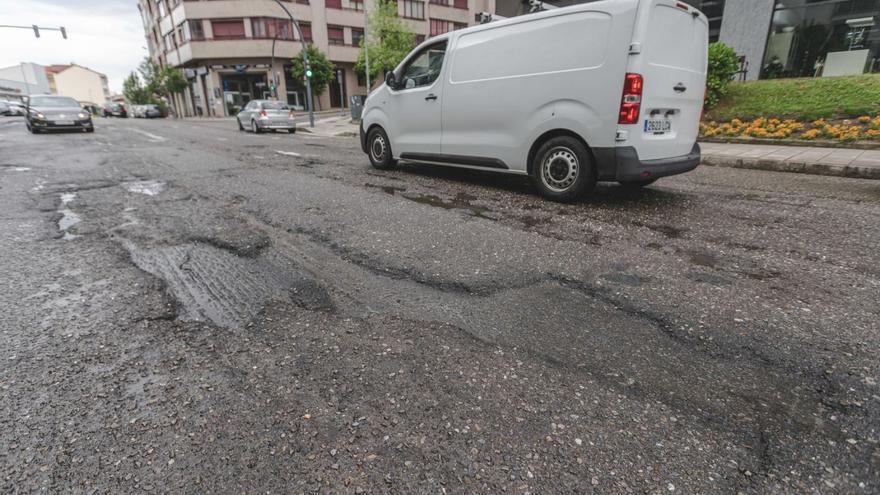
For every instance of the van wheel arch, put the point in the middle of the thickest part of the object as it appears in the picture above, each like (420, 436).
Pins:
(543, 138)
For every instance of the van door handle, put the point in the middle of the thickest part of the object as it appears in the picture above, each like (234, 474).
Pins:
(431, 97)
(680, 88)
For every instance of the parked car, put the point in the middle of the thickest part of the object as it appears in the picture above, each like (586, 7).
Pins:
(5, 109)
(609, 91)
(47, 113)
(151, 111)
(16, 108)
(262, 115)
(115, 110)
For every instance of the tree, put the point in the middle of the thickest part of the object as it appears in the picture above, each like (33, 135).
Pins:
(172, 80)
(323, 70)
(723, 65)
(134, 91)
(151, 73)
(390, 40)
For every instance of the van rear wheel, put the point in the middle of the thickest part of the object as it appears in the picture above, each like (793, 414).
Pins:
(563, 170)
(379, 149)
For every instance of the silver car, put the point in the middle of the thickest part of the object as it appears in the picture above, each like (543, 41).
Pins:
(263, 115)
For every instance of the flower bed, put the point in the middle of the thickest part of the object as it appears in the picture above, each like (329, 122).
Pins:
(846, 130)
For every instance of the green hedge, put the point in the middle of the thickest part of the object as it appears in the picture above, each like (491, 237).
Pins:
(803, 99)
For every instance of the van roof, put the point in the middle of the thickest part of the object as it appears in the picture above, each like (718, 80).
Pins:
(581, 7)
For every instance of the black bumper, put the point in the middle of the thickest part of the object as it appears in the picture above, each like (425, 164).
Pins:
(623, 164)
(49, 125)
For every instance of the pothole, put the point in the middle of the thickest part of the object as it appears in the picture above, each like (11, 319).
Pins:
(146, 187)
(214, 285)
(68, 217)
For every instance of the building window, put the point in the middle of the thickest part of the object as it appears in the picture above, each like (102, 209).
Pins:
(440, 26)
(228, 30)
(357, 35)
(441, 2)
(830, 38)
(420, 38)
(168, 41)
(460, 4)
(182, 33)
(306, 29)
(196, 30)
(413, 9)
(355, 5)
(270, 27)
(335, 35)
(160, 8)
(333, 4)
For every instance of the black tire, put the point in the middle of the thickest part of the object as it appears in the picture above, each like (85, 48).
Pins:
(563, 170)
(292, 130)
(90, 129)
(240, 127)
(379, 149)
(637, 184)
(254, 127)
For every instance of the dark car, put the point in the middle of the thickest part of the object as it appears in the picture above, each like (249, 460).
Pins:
(152, 112)
(49, 113)
(115, 110)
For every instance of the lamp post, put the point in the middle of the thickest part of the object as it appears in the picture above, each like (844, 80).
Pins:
(305, 62)
(366, 47)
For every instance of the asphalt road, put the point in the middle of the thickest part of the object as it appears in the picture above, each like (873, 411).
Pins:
(190, 309)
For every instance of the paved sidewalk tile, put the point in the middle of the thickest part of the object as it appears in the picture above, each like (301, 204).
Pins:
(838, 162)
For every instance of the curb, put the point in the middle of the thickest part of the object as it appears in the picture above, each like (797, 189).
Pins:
(850, 171)
(793, 142)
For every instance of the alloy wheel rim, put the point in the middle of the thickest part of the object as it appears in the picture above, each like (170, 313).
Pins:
(560, 169)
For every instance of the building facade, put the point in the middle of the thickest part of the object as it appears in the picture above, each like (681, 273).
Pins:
(783, 38)
(80, 83)
(226, 46)
(18, 81)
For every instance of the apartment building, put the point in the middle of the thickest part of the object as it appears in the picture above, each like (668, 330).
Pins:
(225, 46)
(80, 83)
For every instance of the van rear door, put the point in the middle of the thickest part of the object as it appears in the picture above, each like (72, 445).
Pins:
(669, 51)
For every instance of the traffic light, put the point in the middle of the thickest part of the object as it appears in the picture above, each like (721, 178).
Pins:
(309, 70)
(63, 32)
(36, 31)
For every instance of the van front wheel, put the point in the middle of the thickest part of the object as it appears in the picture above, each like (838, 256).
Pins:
(379, 149)
(563, 170)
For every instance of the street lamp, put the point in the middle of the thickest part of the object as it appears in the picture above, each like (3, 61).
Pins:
(308, 66)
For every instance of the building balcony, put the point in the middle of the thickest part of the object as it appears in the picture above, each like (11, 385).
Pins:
(343, 53)
(218, 9)
(233, 49)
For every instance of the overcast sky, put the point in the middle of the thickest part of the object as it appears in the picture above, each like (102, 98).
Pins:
(104, 35)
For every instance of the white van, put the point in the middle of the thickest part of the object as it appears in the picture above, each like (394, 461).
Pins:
(605, 91)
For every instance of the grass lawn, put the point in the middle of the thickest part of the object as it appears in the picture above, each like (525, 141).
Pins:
(802, 99)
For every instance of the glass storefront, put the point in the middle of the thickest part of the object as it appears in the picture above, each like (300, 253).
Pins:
(823, 38)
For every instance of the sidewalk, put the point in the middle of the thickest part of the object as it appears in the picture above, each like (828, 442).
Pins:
(330, 126)
(839, 162)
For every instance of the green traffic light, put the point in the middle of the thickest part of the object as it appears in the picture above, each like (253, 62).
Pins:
(308, 73)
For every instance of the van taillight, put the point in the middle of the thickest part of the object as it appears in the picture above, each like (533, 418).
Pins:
(631, 102)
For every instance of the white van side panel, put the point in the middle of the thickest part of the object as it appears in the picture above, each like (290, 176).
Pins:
(674, 50)
(507, 85)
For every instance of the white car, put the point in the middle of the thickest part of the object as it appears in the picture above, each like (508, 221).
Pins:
(605, 91)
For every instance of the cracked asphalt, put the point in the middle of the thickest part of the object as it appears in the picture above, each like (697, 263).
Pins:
(190, 309)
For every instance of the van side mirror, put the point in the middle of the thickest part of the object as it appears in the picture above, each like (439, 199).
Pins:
(391, 80)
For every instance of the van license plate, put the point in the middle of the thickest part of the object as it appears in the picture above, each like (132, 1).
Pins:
(657, 126)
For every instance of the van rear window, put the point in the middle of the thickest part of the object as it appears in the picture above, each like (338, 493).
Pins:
(559, 43)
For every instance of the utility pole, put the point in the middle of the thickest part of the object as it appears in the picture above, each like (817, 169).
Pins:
(366, 46)
(308, 65)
